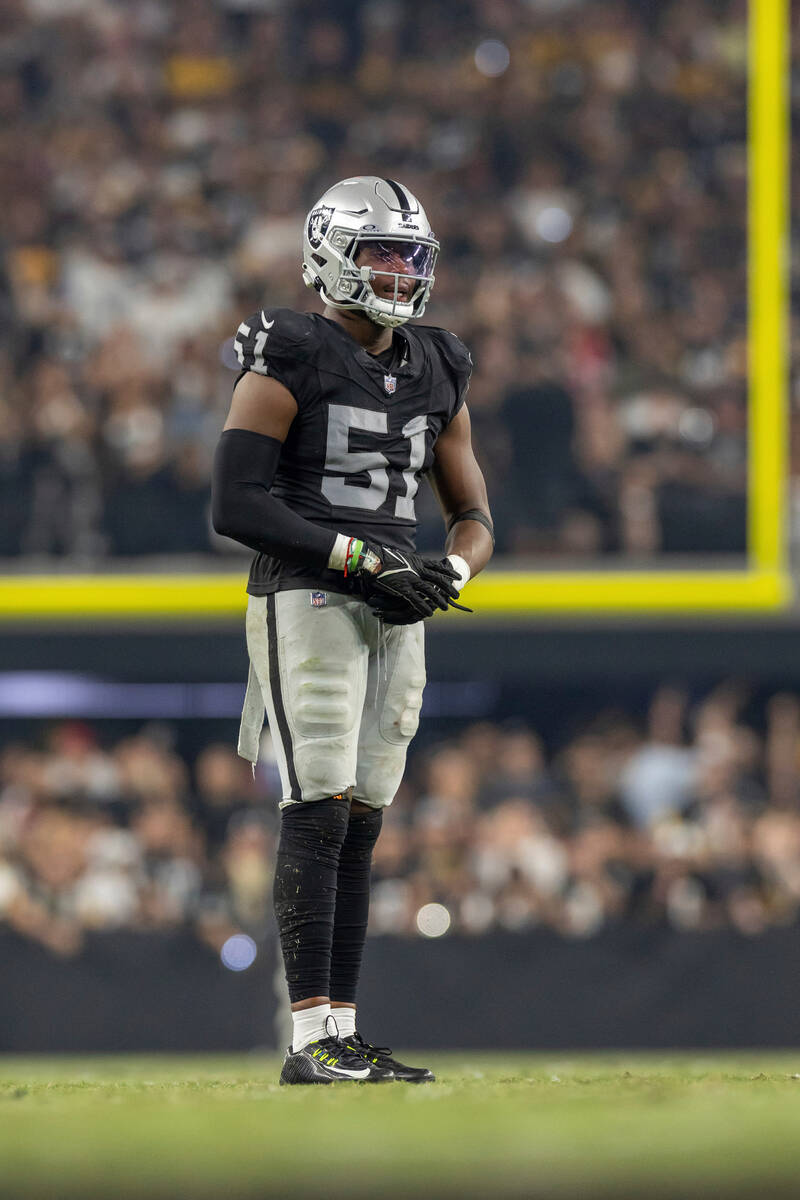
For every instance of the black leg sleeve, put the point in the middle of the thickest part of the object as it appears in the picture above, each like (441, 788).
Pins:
(352, 903)
(305, 892)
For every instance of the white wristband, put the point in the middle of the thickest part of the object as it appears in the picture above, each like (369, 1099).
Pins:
(460, 565)
(338, 555)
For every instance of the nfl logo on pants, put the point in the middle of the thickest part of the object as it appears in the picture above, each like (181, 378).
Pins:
(319, 599)
(390, 383)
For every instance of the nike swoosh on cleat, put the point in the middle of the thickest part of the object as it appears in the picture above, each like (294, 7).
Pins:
(350, 1074)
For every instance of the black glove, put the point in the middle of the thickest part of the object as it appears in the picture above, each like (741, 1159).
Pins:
(442, 574)
(438, 574)
(395, 613)
(397, 588)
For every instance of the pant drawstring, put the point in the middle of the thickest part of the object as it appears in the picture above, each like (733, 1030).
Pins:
(381, 646)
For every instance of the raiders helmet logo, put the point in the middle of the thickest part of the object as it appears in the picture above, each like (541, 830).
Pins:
(318, 224)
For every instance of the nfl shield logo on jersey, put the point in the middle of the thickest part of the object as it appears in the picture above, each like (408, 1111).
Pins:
(319, 599)
(390, 383)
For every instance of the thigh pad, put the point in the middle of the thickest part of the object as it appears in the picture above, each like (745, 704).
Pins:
(322, 664)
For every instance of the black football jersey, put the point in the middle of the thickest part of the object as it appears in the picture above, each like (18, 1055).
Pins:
(364, 432)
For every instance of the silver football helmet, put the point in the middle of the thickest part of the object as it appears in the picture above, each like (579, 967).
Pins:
(362, 210)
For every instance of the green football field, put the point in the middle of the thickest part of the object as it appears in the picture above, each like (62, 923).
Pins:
(556, 1125)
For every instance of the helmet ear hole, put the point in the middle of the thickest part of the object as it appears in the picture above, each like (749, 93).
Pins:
(319, 260)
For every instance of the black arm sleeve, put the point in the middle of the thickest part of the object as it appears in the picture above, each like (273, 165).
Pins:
(243, 508)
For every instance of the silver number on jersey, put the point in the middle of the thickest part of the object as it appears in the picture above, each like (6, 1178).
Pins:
(339, 457)
(244, 331)
(259, 363)
(415, 431)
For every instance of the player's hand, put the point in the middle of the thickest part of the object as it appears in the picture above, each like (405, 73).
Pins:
(400, 615)
(395, 584)
(442, 574)
(401, 587)
(439, 573)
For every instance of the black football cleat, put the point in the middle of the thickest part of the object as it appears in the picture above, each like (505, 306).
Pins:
(331, 1060)
(381, 1056)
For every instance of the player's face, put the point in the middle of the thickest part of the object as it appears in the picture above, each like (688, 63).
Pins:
(387, 259)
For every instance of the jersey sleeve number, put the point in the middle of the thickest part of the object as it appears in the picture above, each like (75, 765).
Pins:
(338, 489)
(255, 350)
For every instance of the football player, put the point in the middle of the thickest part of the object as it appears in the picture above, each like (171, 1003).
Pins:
(334, 421)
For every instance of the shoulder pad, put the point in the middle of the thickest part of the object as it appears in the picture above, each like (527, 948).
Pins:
(454, 357)
(452, 351)
(273, 335)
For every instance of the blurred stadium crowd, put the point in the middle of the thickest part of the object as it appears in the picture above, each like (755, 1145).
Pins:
(691, 822)
(584, 165)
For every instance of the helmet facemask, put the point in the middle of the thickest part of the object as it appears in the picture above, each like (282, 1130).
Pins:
(354, 286)
(419, 259)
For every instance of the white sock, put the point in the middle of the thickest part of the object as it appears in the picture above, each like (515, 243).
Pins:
(309, 1024)
(345, 1018)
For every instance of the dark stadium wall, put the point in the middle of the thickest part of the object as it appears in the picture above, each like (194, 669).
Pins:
(624, 989)
(131, 991)
(627, 989)
(552, 651)
(556, 675)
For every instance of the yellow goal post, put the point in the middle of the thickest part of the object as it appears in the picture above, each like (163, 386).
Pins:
(763, 584)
